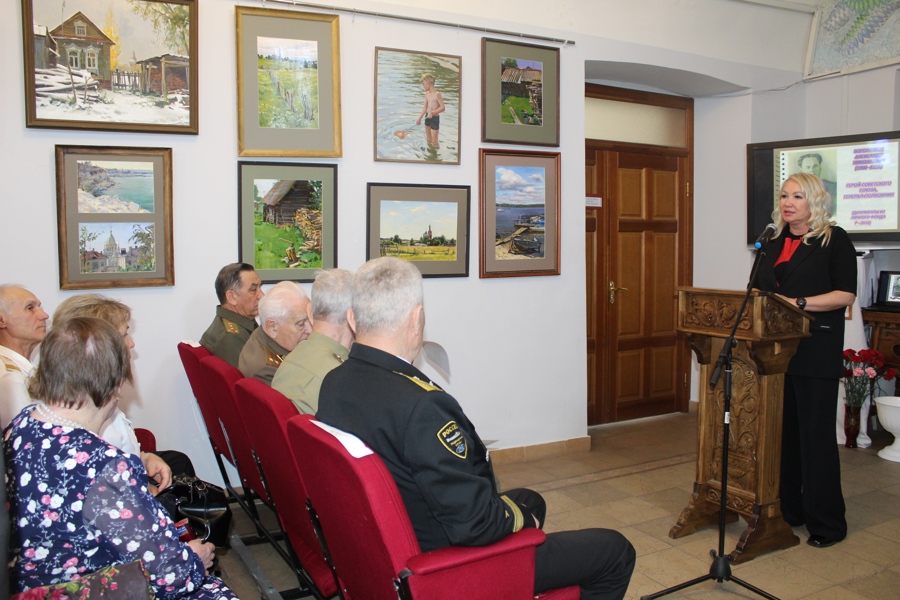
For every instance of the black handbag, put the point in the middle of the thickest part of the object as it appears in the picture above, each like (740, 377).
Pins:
(203, 504)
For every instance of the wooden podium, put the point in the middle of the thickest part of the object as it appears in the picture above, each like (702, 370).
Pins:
(768, 336)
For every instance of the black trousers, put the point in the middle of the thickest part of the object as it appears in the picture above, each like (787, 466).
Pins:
(179, 462)
(599, 560)
(810, 464)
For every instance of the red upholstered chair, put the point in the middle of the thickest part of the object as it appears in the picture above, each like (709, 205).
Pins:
(191, 354)
(371, 542)
(219, 378)
(146, 439)
(266, 412)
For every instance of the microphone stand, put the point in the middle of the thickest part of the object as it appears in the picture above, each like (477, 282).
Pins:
(720, 570)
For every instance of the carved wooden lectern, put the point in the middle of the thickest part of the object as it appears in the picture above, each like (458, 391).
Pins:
(768, 336)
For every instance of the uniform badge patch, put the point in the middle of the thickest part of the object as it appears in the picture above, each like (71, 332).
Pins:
(230, 326)
(452, 438)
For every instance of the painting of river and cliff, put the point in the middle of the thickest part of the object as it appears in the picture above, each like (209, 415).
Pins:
(126, 65)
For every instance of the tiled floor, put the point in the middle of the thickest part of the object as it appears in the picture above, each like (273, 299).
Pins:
(637, 479)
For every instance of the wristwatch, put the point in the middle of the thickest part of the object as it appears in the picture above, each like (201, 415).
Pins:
(801, 303)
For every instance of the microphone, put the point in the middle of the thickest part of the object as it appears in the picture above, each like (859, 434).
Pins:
(766, 235)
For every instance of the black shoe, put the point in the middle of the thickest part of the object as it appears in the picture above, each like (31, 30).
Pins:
(817, 541)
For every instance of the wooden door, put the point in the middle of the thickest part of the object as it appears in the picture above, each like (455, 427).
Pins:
(638, 251)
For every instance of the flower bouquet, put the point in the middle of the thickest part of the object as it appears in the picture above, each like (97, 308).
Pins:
(862, 370)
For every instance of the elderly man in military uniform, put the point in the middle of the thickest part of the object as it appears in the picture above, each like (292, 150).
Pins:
(239, 290)
(432, 450)
(300, 375)
(23, 325)
(284, 314)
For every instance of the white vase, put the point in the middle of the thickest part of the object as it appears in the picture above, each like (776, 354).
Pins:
(889, 416)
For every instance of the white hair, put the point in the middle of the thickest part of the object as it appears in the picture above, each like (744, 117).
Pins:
(332, 294)
(276, 303)
(385, 292)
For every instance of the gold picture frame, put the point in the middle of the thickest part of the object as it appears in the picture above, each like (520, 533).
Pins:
(288, 83)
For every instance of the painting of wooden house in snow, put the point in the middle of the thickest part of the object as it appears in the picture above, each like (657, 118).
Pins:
(116, 65)
(85, 47)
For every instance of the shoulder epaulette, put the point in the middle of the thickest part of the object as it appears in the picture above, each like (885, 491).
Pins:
(273, 359)
(10, 365)
(230, 326)
(428, 387)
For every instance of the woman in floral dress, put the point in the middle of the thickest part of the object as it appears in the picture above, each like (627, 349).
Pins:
(77, 503)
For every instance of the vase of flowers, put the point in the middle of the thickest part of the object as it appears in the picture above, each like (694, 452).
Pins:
(862, 370)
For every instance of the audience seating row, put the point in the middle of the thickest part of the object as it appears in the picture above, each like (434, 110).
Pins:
(354, 539)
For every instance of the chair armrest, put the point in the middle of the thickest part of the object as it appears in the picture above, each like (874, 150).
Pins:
(501, 570)
(146, 439)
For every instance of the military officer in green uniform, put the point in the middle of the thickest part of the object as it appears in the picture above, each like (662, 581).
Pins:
(284, 314)
(300, 375)
(239, 290)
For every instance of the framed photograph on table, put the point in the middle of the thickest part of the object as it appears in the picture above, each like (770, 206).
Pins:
(289, 83)
(288, 219)
(427, 225)
(889, 288)
(114, 211)
(519, 213)
(417, 106)
(519, 93)
(114, 65)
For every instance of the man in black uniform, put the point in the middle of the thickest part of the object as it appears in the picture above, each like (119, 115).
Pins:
(239, 290)
(432, 450)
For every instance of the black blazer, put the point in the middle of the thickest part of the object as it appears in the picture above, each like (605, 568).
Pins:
(814, 270)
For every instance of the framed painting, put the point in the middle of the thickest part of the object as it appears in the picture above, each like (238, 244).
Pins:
(427, 225)
(289, 83)
(287, 219)
(519, 93)
(519, 213)
(889, 288)
(417, 106)
(114, 211)
(120, 65)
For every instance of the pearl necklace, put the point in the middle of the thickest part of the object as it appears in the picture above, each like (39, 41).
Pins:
(48, 413)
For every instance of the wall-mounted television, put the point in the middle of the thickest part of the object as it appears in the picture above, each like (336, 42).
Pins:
(861, 172)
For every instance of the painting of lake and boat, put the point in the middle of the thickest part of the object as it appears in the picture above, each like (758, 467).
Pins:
(520, 201)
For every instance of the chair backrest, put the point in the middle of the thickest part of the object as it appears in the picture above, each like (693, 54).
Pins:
(221, 378)
(191, 355)
(266, 412)
(362, 515)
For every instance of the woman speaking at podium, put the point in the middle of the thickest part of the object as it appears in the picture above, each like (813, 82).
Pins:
(811, 262)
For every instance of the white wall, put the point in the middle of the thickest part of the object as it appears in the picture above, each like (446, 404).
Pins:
(517, 345)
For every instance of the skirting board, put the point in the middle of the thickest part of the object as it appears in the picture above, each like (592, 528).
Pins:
(521, 454)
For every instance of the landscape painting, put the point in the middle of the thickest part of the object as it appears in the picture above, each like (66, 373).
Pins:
(520, 194)
(117, 247)
(521, 91)
(427, 225)
(287, 224)
(288, 83)
(414, 230)
(127, 65)
(114, 211)
(288, 219)
(520, 200)
(115, 187)
(417, 106)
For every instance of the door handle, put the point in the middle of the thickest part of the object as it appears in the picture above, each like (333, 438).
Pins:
(612, 291)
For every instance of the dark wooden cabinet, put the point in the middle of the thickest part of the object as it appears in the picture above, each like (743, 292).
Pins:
(885, 337)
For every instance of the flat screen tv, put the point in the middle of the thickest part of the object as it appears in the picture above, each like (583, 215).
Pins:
(861, 172)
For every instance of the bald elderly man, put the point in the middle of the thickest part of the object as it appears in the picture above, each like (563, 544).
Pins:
(23, 325)
(284, 324)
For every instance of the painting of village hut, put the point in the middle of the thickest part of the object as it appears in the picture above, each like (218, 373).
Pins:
(288, 79)
(521, 91)
(112, 62)
(287, 224)
(117, 247)
(414, 230)
(111, 186)
(520, 194)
